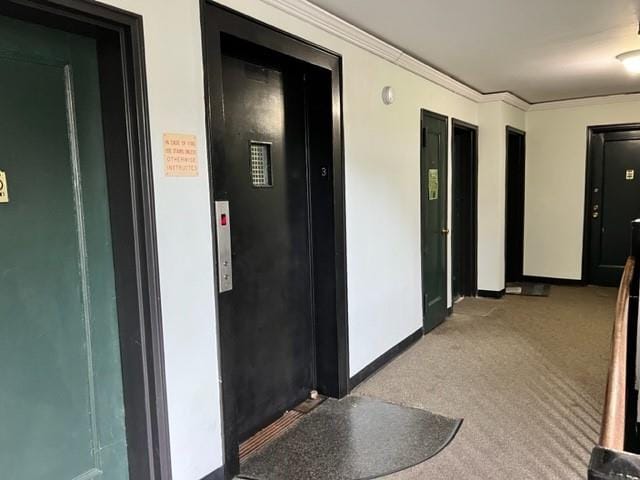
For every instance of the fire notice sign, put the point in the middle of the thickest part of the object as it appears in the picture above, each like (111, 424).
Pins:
(180, 155)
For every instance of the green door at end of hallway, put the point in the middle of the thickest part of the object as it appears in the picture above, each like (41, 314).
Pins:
(61, 395)
(433, 181)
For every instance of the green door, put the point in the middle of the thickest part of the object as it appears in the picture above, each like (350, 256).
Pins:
(61, 400)
(433, 181)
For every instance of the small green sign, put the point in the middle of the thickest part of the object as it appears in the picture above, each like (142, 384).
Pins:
(433, 184)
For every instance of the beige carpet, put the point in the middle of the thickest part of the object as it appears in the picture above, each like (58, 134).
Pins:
(527, 374)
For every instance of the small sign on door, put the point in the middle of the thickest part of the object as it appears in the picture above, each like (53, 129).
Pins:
(4, 189)
(433, 183)
(630, 174)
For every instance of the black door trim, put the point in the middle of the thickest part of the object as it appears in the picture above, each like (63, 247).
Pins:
(509, 129)
(219, 20)
(455, 123)
(593, 130)
(423, 190)
(119, 37)
(461, 123)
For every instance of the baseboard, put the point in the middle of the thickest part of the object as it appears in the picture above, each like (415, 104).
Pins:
(491, 293)
(449, 311)
(553, 281)
(385, 358)
(217, 474)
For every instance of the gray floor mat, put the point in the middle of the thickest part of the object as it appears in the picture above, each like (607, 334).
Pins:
(528, 289)
(355, 438)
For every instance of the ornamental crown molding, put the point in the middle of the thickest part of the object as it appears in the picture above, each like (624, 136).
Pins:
(320, 18)
(585, 102)
(316, 16)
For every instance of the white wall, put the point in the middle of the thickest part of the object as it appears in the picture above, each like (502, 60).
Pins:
(382, 158)
(555, 183)
(494, 118)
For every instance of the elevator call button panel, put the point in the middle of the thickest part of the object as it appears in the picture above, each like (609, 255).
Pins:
(223, 239)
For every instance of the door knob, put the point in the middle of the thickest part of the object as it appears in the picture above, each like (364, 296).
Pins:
(445, 231)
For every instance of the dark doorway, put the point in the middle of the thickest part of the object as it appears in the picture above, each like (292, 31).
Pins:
(277, 174)
(433, 186)
(612, 200)
(81, 336)
(514, 198)
(464, 232)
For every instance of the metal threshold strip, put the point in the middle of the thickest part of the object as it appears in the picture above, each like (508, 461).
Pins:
(277, 428)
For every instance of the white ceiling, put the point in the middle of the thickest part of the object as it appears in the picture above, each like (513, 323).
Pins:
(540, 50)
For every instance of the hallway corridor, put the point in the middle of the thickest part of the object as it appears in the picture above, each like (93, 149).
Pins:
(528, 376)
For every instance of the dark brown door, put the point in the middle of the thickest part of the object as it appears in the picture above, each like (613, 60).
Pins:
(514, 228)
(268, 313)
(464, 237)
(613, 201)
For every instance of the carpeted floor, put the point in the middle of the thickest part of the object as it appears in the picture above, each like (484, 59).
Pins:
(527, 374)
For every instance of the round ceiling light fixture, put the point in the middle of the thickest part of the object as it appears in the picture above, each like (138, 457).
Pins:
(631, 59)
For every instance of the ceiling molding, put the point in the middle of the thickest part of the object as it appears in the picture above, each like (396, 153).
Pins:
(316, 16)
(425, 71)
(320, 18)
(585, 102)
(506, 97)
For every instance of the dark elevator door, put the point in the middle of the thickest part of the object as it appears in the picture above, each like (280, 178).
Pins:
(264, 178)
(615, 202)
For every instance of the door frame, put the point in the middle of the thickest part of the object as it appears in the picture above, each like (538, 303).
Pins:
(119, 37)
(591, 131)
(219, 20)
(423, 195)
(509, 129)
(472, 276)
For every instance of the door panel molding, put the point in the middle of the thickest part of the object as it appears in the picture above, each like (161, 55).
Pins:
(119, 38)
(83, 260)
(89, 474)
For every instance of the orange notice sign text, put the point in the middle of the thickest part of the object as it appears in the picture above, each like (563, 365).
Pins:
(180, 155)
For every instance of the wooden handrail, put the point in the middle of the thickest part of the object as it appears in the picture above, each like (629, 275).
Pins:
(613, 419)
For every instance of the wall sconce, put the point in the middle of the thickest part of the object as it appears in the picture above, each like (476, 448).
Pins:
(387, 95)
